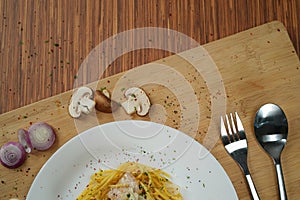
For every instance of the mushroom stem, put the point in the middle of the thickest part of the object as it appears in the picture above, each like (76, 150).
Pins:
(86, 105)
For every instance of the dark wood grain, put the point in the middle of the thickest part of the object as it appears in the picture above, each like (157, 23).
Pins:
(43, 43)
(252, 61)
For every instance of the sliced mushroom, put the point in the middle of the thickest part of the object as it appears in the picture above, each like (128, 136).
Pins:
(81, 102)
(103, 101)
(137, 101)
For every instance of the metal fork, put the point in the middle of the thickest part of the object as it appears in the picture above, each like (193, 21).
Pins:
(235, 142)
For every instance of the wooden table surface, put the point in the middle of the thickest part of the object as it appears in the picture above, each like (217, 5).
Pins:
(43, 44)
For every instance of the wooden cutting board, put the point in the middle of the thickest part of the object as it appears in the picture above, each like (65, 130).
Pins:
(189, 91)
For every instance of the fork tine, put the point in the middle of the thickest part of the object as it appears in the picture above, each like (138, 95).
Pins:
(235, 134)
(229, 129)
(240, 127)
(224, 135)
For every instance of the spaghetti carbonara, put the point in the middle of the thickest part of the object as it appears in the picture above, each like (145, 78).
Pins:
(131, 181)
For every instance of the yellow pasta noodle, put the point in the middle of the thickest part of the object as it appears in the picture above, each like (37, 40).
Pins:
(131, 181)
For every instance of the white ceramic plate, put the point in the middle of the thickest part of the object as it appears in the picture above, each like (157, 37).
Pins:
(192, 167)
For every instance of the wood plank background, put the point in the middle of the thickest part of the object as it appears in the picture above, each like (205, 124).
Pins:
(43, 43)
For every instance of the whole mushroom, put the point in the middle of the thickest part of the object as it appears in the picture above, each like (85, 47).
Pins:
(103, 101)
(137, 101)
(81, 102)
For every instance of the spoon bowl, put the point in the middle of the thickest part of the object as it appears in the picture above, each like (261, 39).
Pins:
(271, 131)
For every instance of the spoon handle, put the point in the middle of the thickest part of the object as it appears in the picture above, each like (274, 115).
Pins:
(281, 185)
(252, 187)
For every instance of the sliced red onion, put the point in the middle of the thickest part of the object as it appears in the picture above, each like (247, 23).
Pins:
(41, 136)
(24, 139)
(12, 155)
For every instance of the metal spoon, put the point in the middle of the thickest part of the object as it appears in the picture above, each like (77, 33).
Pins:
(271, 130)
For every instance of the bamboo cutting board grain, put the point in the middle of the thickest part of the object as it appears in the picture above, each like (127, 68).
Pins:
(257, 66)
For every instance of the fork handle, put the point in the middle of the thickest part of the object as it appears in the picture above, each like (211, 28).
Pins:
(252, 187)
